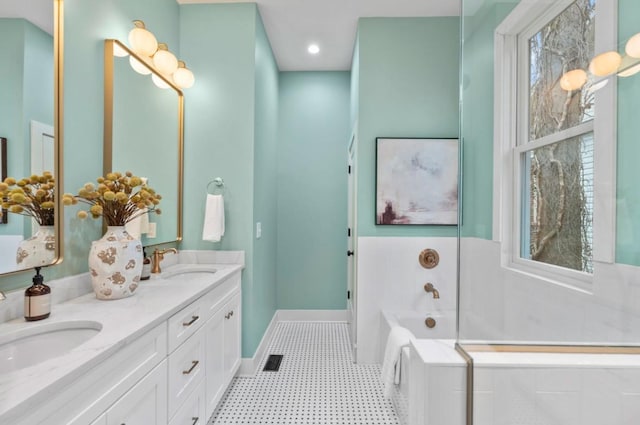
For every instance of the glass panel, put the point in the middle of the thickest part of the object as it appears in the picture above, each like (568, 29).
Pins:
(564, 44)
(558, 197)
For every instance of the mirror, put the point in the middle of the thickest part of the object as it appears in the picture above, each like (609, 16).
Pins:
(30, 127)
(143, 133)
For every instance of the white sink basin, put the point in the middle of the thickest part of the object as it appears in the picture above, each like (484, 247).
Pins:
(33, 345)
(192, 271)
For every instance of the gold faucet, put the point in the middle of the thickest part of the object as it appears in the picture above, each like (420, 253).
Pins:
(429, 288)
(158, 255)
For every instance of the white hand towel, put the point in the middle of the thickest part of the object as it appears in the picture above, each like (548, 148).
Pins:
(138, 225)
(390, 373)
(213, 228)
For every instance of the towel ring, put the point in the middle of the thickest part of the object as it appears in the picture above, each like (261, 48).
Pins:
(218, 182)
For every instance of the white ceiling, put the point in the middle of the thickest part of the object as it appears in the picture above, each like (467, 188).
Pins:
(292, 25)
(38, 12)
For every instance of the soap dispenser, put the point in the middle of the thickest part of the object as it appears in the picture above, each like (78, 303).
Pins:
(37, 299)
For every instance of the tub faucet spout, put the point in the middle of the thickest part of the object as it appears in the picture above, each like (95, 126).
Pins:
(428, 287)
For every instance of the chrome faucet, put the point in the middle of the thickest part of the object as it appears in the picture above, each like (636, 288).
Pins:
(158, 255)
(429, 288)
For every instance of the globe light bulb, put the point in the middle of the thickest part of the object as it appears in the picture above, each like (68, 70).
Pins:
(138, 66)
(633, 46)
(165, 61)
(605, 64)
(159, 82)
(573, 80)
(142, 41)
(183, 77)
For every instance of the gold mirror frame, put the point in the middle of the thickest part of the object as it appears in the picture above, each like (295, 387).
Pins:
(110, 46)
(58, 120)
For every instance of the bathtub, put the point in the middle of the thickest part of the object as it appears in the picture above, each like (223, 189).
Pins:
(444, 328)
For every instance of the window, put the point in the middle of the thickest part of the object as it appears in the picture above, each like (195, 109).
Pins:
(552, 144)
(556, 141)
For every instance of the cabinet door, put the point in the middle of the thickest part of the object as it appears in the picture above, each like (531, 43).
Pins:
(232, 337)
(145, 403)
(214, 360)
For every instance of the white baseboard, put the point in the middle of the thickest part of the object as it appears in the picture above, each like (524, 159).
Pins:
(312, 315)
(249, 366)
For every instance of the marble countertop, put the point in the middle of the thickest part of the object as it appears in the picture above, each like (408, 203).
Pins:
(123, 321)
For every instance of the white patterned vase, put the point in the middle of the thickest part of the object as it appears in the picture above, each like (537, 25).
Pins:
(115, 264)
(39, 250)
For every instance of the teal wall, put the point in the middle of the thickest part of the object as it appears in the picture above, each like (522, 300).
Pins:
(312, 191)
(264, 302)
(231, 132)
(12, 76)
(477, 119)
(628, 195)
(407, 87)
(26, 84)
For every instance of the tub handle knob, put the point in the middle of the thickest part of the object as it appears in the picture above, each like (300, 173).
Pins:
(430, 322)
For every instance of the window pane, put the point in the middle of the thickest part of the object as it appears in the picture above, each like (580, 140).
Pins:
(564, 44)
(558, 204)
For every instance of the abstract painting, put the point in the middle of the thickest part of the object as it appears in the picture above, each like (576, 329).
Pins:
(416, 181)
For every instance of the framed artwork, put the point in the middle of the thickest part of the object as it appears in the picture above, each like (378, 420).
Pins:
(416, 181)
(3, 173)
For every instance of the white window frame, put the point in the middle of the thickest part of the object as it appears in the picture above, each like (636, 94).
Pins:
(526, 16)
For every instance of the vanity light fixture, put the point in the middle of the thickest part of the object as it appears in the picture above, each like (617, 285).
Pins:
(603, 66)
(158, 58)
(314, 49)
(142, 41)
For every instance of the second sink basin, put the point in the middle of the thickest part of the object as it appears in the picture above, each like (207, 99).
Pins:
(32, 345)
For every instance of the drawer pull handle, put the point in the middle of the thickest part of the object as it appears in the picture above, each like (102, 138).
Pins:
(195, 421)
(192, 321)
(194, 363)
(231, 314)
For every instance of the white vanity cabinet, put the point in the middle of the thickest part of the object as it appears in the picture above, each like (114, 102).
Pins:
(173, 374)
(222, 338)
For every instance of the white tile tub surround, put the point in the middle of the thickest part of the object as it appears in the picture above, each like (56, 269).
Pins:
(391, 278)
(567, 389)
(437, 388)
(70, 287)
(500, 304)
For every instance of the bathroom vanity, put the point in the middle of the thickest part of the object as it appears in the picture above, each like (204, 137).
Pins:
(163, 356)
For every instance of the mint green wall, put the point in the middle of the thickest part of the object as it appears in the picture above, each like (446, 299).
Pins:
(312, 190)
(264, 301)
(229, 130)
(408, 87)
(628, 195)
(477, 119)
(12, 76)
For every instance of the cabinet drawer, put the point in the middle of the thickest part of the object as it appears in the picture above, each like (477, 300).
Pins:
(192, 411)
(185, 323)
(186, 369)
(145, 403)
(215, 299)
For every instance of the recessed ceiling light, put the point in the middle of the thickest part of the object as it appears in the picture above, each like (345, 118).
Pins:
(313, 49)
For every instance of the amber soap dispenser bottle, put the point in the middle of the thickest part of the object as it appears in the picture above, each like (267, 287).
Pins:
(37, 299)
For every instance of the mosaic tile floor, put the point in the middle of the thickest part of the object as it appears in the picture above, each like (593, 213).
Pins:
(317, 384)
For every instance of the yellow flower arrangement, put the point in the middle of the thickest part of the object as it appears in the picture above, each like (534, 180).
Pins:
(118, 198)
(31, 196)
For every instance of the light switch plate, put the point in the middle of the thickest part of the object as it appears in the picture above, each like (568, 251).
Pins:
(258, 230)
(151, 233)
